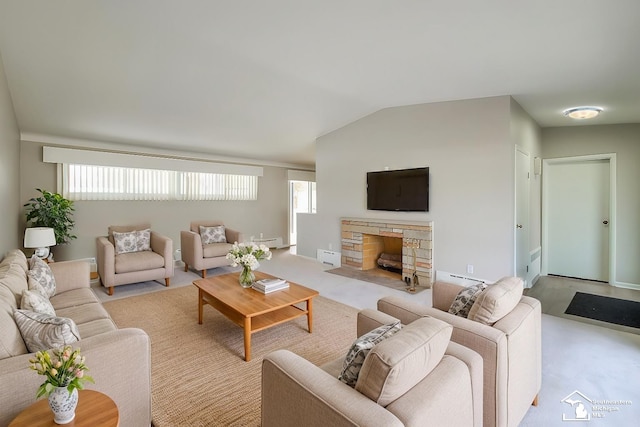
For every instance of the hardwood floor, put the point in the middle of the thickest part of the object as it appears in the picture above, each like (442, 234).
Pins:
(555, 294)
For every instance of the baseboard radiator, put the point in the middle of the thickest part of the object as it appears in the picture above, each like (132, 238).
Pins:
(329, 257)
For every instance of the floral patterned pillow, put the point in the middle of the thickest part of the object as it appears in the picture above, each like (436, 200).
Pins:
(133, 241)
(213, 234)
(43, 331)
(359, 350)
(463, 302)
(41, 277)
(35, 301)
(143, 239)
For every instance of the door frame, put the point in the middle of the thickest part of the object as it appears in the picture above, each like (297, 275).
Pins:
(526, 226)
(611, 157)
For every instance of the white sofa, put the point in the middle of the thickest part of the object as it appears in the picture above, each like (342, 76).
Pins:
(119, 360)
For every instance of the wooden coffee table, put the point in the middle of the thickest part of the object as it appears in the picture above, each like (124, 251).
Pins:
(252, 310)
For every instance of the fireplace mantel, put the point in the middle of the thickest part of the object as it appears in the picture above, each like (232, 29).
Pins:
(416, 236)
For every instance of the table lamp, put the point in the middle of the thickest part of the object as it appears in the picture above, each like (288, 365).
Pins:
(40, 238)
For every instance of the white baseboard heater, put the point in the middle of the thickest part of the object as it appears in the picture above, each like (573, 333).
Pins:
(329, 257)
(458, 279)
(270, 242)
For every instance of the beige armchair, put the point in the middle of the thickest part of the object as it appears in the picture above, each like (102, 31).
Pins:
(203, 257)
(510, 348)
(416, 377)
(135, 264)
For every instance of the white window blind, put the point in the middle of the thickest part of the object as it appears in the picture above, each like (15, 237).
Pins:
(93, 182)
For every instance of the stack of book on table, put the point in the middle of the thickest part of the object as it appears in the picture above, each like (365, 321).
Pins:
(270, 285)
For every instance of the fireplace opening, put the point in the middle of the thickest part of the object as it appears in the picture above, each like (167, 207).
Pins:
(382, 252)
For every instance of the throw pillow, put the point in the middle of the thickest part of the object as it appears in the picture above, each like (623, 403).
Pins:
(213, 234)
(42, 331)
(35, 301)
(497, 300)
(465, 299)
(41, 277)
(143, 240)
(359, 350)
(125, 242)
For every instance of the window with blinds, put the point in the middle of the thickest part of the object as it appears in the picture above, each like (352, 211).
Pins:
(90, 182)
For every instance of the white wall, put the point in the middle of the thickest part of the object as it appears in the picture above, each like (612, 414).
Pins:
(10, 233)
(624, 140)
(268, 215)
(469, 149)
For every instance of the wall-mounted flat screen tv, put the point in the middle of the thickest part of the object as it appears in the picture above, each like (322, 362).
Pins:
(398, 190)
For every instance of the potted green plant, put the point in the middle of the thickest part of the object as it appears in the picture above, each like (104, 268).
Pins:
(54, 211)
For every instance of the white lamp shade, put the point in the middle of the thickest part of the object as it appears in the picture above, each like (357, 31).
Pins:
(40, 238)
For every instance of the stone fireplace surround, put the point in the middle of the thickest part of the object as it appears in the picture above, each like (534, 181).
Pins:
(362, 244)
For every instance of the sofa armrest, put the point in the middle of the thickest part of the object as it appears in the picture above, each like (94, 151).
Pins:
(295, 392)
(190, 247)
(70, 275)
(233, 236)
(119, 361)
(163, 245)
(369, 319)
(106, 257)
(475, 364)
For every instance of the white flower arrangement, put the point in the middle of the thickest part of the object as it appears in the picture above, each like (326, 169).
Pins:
(248, 255)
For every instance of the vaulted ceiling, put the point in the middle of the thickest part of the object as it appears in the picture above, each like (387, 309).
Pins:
(263, 79)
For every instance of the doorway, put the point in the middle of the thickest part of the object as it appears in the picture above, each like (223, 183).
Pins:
(302, 199)
(578, 217)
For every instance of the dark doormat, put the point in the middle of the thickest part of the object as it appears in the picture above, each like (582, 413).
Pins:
(606, 309)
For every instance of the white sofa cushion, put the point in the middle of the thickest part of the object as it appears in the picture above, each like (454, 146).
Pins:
(497, 301)
(398, 363)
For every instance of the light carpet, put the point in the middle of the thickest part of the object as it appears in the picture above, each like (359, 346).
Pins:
(199, 377)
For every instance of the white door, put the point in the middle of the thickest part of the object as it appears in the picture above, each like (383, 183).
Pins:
(578, 219)
(522, 215)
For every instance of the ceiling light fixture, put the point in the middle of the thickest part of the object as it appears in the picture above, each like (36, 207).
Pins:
(582, 113)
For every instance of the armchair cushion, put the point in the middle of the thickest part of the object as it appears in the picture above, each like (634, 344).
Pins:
(465, 299)
(41, 277)
(138, 261)
(360, 348)
(214, 234)
(43, 331)
(398, 363)
(216, 250)
(497, 301)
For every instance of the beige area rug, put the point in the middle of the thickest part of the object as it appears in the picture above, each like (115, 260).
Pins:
(377, 276)
(199, 377)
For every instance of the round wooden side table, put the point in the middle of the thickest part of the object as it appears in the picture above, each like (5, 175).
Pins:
(94, 410)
